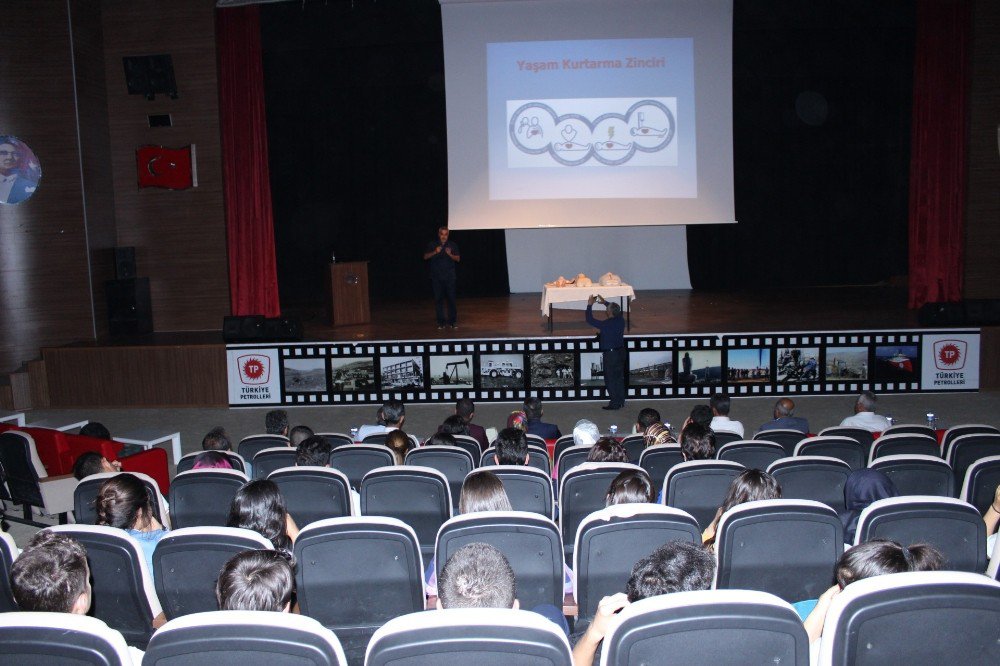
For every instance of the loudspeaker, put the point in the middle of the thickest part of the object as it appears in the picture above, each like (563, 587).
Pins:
(974, 312)
(284, 329)
(150, 74)
(246, 328)
(124, 263)
(129, 308)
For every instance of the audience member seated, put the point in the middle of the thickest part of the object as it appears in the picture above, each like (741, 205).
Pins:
(585, 433)
(299, 433)
(90, 462)
(874, 558)
(700, 414)
(124, 502)
(607, 449)
(533, 410)
(865, 416)
(647, 417)
(256, 580)
(721, 422)
(454, 425)
(314, 451)
(51, 575)
(95, 429)
(784, 418)
(863, 487)
(478, 575)
(697, 442)
(217, 440)
(512, 447)
(211, 460)
(389, 417)
(676, 566)
(466, 409)
(656, 434)
(991, 518)
(630, 487)
(750, 486)
(440, 439)
(276, 422)
(259, 506)
(400, 443)
(518, 420)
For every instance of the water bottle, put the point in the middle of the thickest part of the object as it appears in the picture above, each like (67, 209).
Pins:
(354, 434)
(333, 257)
(889, 419)
(613, 429)
(931, 421)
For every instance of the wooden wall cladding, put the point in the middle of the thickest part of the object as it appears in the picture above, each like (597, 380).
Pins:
(148, 376)
(180, 237)
(44, 283)
(982, 237)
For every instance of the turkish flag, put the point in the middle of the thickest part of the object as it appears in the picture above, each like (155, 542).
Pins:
(169, 168)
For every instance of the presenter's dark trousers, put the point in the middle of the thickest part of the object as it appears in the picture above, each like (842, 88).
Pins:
(614, 377)
(444, 294)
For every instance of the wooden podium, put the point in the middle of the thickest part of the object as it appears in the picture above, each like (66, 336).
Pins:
(349, 293)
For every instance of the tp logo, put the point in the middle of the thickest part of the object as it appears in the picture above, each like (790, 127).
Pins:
(254, 369)
(949, 354)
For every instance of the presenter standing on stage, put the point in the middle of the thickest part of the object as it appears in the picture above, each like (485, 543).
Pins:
(611, 336)
(442, 257)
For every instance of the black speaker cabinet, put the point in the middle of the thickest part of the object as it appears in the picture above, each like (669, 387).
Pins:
(283, 329)
(124, 263)
(247, 328)
(129, 308)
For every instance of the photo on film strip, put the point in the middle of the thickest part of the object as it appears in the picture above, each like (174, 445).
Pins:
(552, 369)
(304, 375)
(847, 364)
(591, 369)
(401, 372)
(897, 363)
(748, 366)
(499, 371)
(700, 367)
(452, 371)
(352, 375)
(798, 364)
(651, 368)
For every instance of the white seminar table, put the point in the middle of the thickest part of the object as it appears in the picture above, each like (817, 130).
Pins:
(147, 438)
(17, 418)
(554, 296)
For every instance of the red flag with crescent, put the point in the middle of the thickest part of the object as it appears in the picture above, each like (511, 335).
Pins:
(169, 168)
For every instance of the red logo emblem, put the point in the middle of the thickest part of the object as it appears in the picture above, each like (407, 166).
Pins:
(949, 354)
(254, 369)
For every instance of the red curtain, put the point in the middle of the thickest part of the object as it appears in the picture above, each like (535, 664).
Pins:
(253, 274)
(938, 153)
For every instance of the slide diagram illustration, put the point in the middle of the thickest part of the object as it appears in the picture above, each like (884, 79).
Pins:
(611, 132)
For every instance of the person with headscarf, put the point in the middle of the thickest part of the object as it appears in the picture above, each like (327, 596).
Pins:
(863, 487)
(518, 419)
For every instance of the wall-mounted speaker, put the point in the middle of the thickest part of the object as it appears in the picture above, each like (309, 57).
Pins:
(245, 328)
(130, 311)
(124, 263)
(150, 74)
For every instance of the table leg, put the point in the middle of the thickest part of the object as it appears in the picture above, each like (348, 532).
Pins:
(627, 306)
(550, 317)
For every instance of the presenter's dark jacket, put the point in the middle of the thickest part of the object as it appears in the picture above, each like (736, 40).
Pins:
(441, 265)
(611, 332)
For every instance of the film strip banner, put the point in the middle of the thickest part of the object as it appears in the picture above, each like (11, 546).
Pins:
(572, 368)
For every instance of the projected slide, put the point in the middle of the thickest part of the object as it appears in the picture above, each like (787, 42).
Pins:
(591, 119)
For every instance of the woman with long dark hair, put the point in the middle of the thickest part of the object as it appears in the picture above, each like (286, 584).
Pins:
(259, 506)
(125, 502)
(751, 485)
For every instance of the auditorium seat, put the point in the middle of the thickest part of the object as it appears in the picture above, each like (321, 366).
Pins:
(657, 461)
(966, 429)
(528, 489)
(537, 458)
(418, 496)
(535, 440)
(8, 553)
(918, 475)
(85, 497)
(268, 460)
(61, 638)
(634, 444)
(845, 448)
(358, 459)
(236, 461)
(202, 496)
(931, 617)
(909, 429)
(469, 443)
(336, 439)
(952, 526)
(786, 437)
(865, 437)
(583, 491)
(454, 462)
(561, 445)
(724, 437)
(980, 484)
(375, 438)
(187, 562)
(570, 458)
(699, 486)
(788, 548)
(610, 541)
(904, 444)
(251, 444)
(248, 638)
(818, 478)
(469, 636)
(530, 542)
(123, 594)
(752, 454)
(24, 481)
(727, 627)
(313, 493)
(964, 450)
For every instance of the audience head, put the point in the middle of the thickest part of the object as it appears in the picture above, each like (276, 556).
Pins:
(512, 447)
(95, 429)
(314, 451)
(211, 460)
(863, 487)
(256, 580)
(90, 463)
(720, 404)
(702, 415)
(656, 434)
(676, 566)
(400, 443)
(630, 487)
(259, 506)
(880, 556)
(607, 449)
(298, 434)
(454, 425)
(51, 575)
(276, 422)
(697, 442)
(751, 485)
(440, 439)
(123, 501)
(865, 402)
(394, 413)
(216, 440)
(465, 408)
(646, 418)
(585, 433)
(784, 407)
(517, 419)
(533, 408)
(477, 576)
(483, 491)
